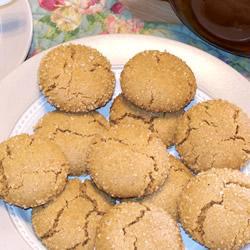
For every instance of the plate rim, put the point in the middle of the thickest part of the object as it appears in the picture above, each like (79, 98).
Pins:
(10, 82)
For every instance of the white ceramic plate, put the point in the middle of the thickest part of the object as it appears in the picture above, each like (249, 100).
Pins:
(15, 34)
(21, 105)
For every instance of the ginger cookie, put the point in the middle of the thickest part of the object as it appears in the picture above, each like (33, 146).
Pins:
(214, 134)
(32, 171)
(158, 82)
(164, 124)
(73, 133)
(138, 226)
(76, 78)
(215, 209)
(70, 221)
(128, 161)
(168, 196)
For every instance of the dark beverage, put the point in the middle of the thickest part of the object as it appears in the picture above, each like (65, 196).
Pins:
(225, 23)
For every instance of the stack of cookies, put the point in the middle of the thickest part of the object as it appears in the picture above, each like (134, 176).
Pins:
(138, 191)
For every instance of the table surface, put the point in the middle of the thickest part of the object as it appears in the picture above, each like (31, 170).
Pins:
(152, 10)
(55, 24)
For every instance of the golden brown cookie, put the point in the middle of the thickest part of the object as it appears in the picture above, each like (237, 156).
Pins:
(70, 221)
(76, 78)
(73, 133)
(32, 171)
(215, 134)
(158, 82)
(215, 208)
(137, 226)
(168, 196)
(164, 124)
(128, 161)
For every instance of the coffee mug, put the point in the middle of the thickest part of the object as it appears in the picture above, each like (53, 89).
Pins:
(224, 23)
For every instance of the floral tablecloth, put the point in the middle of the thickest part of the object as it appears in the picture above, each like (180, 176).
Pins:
(57, 21)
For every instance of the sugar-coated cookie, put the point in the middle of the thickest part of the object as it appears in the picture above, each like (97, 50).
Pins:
(70, 221)
(76, 78)
(32, 170)
(214, 134)
(168, 196)
(164, 124)
(215, 209)
(73, 133)
(128, 161)
(137, 226)
(158, 81)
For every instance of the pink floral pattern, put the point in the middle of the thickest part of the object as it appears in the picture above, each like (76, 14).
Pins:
(50, 5)
(91, 6)
(67, 14)
(66, 18)
(117, 8)
(113, 24)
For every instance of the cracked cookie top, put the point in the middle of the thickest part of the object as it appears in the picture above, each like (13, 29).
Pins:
(73, 133)
(138, 226)
(215, 209)
(128, 161)
(32, 171)
(158, 82)
(76, 78)
(70, 221)
(164, 124)
(215, 134)
(168, 196)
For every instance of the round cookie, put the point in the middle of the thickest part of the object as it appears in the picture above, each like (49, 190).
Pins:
(70, 221)
(164, 124)
(168, 196)
(137, 226)
(215, 209)
(215, 134)
(32, 171)
(76, 78)
(158, 82)
(73, 133)
(128, 161)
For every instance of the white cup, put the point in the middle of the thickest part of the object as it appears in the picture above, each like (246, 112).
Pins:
(4, 2)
